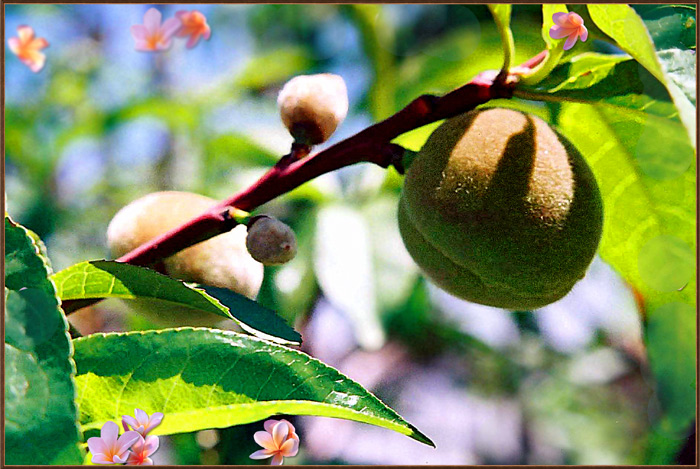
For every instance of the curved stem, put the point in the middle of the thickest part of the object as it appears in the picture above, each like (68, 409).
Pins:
(371, 145)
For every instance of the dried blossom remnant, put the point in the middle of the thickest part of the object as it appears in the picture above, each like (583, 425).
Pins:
(312, 106)
(270, 241)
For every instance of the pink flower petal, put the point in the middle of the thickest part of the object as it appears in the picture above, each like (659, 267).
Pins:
(265, 440)
(560, 18)
(170, 27)
(260, 454)
(164, 44)
(151, 445)
(279, 433)
(583, 33)
(139, 32)
(207, 34)
(101, 459)
(182, 14)
(143, 46)
(151, 20)
(147, 462)
(289, 448)
(570, 41)
(277, 460)
(96, 445)
(126, 440)
(194, 39)
(557, 32)
(269, 425)
(109, 433)
(120, 459)
(25, 33)
(575, 19)
(36, 64)
(14, 45)
(40, 43)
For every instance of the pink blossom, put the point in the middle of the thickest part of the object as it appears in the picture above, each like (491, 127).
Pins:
(107, 449)
(27, 48)
(194, 25)
(279, 441)
(141, 451)
(142, 423)
(569, 26)
(152, 35)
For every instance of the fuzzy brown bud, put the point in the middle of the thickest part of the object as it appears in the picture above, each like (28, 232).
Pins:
(312, 106)
(270, 241)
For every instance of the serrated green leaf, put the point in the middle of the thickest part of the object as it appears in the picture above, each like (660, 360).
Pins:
(616, 80)
(624, 25)
(206, 378)
(40, 413)
(111, 279)
(646, 172)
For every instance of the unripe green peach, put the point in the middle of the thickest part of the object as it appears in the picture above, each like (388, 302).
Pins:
(222, 261)
(500, 209)
(270, 241)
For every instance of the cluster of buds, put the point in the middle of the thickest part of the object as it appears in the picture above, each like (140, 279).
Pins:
(312, 106)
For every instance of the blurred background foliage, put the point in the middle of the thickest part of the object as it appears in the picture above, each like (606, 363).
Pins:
(103, 124)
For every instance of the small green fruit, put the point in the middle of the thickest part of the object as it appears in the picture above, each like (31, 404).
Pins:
(500, 209)
(222, 261)
(270, 241)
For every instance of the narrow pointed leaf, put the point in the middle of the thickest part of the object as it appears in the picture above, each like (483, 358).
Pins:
(206, 378)
(110, 279)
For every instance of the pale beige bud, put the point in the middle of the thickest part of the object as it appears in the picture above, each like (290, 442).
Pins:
(312, 106)
(222, 261)
(270, 241)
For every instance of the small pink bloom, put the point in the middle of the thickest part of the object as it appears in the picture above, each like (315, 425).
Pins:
(569, 26)
(279, 441)
(107, 449)
(152, 35)
(141, 451)
(194, 25)
(142, 423)
(27, 48)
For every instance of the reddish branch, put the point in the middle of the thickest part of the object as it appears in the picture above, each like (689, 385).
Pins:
(371, 145)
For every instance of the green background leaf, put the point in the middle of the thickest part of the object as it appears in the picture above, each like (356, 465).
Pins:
(110, 279)
(624, 25)
(649, 196)
(206, 378)
(40, 413)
